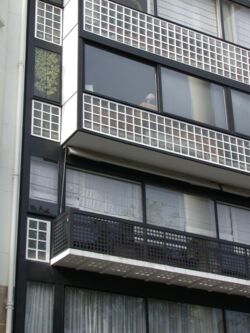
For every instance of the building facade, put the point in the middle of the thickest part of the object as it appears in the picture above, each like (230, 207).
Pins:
(134, 200)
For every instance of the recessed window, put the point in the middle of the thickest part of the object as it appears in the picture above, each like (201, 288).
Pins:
(234, 223)
(47, 82)
(180, 211)
(146, 6)
(236, 23)
(192, 98)
(39, 308)
(196, 14)
(116, 76)
(241, 111)
(38, 240)
(103, 195)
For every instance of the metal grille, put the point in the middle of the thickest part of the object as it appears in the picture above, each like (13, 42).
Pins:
(106, 235)
(168, 40)
(164, 133)
(46, 121)
(60, 234)
(38, 240)
(48, 25)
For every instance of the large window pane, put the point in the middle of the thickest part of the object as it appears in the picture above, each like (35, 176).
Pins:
(192, 98)
(169, 317)
(234, 223)
(197, 14)
(241, 112)
(237, 322)
(47, 74)
(236, 23)
(39, 308)
(97, 312)
(180, 211)
(142, 5)
(116, 76)
(103, 195)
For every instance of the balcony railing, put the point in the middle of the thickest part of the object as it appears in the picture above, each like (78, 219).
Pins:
(111, 236)
(166, 39)
(165, 134)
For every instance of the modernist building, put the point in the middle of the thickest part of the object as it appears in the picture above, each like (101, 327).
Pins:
(134, 209)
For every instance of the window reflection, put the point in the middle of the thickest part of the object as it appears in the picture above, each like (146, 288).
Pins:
(241, 111)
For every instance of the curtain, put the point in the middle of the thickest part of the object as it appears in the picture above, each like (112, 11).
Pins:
(237, 322)
(39, 308)
(169, 317)
(236, 20)
(43, 180)
(234, 223)
(97, 312)
(197, 14)
(103, 195)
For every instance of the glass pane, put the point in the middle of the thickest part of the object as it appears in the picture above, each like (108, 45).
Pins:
(234, 223)
(116, 76)
(197, 14)
(43, 180)
(39, 308)
(192, 98)
(241, 112)
(236, 23)
(47, 74)
(103, 195)
(237, 322)
(170, 317)
(97, 312)
(146, 6)
(180, 211)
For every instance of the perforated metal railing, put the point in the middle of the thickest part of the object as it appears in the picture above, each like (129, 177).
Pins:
(164, 134)
(107, 235)
(168, 40)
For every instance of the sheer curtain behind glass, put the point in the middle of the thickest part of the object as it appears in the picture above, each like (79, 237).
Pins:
(196, 14)
(103, 195)
(170, 317)
(39, 308)
(97, 312)
(237, 322)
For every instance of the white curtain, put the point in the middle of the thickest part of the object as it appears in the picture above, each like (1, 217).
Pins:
(97, 312)
(170, 317)
(237, 322)
(196, 14)
(234, 223)
(236, 20)
(103, 195)
(39, 308)
(43, 180)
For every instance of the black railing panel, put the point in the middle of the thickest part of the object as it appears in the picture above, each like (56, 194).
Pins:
(109, 235)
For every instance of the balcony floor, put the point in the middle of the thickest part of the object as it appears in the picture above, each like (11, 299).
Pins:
(130, 268)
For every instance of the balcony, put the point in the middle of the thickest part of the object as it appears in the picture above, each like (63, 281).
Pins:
(87, 241)
(166, 39)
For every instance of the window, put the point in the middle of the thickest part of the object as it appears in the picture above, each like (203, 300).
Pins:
(48, 23)
(170, 317)
(99, 312)
(196, 14)
(236, 23)
(241, 111)
(142, 5)
(47, 74)
(39, 308)
(38, 240)
(43, 180)
(116, 76)
(103, 195)
(176, 210)
(234, 223)
(237, 322)
(46, 121)
(192, 98)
